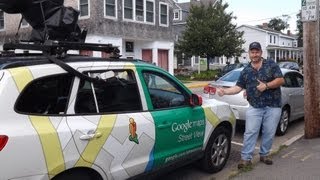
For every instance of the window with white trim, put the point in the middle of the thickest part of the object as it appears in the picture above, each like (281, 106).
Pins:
(84, 8)
(150, 11)
(128, 9)
(1, 19)
(110, 8)
(176, 15)
(270, 39)
(164, 11)
(139, 10)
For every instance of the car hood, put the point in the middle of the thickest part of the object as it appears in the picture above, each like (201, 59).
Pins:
(220, 109)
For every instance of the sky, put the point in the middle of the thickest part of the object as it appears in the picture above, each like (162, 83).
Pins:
(256, 12)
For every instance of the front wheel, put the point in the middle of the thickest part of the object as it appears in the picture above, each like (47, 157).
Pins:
(283, 123)
(217, 150)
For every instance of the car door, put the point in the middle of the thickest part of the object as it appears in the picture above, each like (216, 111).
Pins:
(110, 127)
(300, 94)
(294, 91)
(179, 126)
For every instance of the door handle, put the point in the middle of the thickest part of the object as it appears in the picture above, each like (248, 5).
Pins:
(90, 135)
(164, 125)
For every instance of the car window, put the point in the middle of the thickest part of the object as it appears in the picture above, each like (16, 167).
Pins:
(299, 80)
(164, 92)
(232, 76)
(47, 95)
(291, 80)
(117, 93)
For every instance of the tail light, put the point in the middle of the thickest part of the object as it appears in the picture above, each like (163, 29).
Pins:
(206, 89)
(209, 90)
(3, 141)
(212, 90)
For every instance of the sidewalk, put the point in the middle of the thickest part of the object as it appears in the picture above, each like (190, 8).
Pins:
(300, 160)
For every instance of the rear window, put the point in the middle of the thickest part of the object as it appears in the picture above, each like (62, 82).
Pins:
(46, 96)
(232, 76)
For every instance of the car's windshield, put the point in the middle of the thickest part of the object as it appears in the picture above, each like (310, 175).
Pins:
(232, 76)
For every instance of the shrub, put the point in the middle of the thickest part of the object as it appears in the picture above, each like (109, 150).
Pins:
(206, 75)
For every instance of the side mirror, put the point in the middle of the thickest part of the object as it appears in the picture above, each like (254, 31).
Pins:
(195, 100)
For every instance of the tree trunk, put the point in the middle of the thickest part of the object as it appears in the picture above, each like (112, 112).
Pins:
(208, 64)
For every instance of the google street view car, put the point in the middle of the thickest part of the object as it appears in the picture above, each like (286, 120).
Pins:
(88, 118)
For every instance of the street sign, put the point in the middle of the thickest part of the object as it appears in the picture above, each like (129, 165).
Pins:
(309, 10)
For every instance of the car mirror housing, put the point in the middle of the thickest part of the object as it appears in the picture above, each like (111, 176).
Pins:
(195, 100)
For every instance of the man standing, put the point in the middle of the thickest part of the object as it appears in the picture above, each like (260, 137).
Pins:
(262, 80)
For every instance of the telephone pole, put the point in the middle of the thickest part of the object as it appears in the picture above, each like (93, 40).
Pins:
(311, 63)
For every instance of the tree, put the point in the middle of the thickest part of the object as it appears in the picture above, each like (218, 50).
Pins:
(209, 33)
(278, 24)
(300, 30)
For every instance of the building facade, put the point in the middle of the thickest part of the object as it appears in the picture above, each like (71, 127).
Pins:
(141, 29)
(275, 45)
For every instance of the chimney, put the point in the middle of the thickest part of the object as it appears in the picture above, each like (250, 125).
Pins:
(288, 32)
(264, 25)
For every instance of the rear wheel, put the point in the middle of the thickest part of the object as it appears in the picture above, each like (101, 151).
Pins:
(217, 151)
(283, 123)
(79, 174)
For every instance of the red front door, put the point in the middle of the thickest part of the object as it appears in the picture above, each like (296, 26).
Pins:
(147, 55)
(163, 59)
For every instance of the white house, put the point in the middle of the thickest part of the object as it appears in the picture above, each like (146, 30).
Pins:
(275, 44)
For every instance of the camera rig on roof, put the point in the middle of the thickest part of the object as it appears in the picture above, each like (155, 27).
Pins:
(54, 32)
(54, 28)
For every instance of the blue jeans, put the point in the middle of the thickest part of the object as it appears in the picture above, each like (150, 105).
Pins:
(266, 118)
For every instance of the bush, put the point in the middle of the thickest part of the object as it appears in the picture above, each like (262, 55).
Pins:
(206, 75)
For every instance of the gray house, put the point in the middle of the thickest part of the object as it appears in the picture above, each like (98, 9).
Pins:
(140, 28)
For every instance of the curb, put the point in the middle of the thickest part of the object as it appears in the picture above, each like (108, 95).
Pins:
(197, 85)
(293, 139)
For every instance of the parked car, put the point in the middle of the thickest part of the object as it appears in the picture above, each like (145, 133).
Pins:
(230, 67)
(289, 65)
(89, 118)
(292, 97)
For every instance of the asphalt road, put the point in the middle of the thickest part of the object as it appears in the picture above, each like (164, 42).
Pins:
(191, 172)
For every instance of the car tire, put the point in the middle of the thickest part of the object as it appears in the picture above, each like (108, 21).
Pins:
(217, 150)
(283, 122)
(78, 175)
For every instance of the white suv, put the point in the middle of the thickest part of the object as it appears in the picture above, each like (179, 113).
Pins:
(93, 118)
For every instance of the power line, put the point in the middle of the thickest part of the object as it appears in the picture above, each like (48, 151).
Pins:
(284, 15)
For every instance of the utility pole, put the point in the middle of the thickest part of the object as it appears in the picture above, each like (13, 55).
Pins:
(311, 63)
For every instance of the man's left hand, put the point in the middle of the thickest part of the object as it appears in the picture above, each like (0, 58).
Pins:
(261, 86)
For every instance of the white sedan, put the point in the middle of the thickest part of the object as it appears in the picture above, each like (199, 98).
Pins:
(292, 96)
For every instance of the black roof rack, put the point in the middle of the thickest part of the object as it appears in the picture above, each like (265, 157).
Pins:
(61, 47)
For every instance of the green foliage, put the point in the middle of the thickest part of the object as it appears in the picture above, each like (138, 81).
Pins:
(300, 30)
(210, 32)
(208, 75)
(278, 24)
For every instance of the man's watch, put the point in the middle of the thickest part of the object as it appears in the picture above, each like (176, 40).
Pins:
(267, 87)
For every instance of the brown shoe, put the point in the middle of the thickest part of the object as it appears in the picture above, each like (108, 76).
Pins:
(244, 164)
(266, 159)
